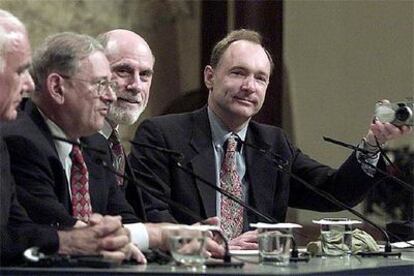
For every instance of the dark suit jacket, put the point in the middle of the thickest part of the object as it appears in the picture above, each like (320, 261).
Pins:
(42, 186)
(17, 231)
(269, 190)
(133, 193)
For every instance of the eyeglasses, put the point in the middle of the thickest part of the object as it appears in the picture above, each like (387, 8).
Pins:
(100, 86)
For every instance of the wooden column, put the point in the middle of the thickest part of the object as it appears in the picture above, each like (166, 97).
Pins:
(266, 17)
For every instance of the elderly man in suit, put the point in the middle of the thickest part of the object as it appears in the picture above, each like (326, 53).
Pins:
(132, 66)
(210, 140)
(60, 183)
(103, 236)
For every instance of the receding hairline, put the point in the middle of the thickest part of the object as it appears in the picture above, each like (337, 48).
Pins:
(10, 19)
(252, 36)
(111, 41)
(10, 28)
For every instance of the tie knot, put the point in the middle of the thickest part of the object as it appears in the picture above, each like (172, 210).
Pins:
(232, 144)
(114, 138)
(76, 155)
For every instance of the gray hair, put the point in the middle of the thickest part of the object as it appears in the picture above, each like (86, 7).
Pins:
(61, 53)
(7, 21)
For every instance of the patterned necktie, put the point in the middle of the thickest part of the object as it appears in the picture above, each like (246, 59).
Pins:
(231, 212)
(79, 183)
(118, 155)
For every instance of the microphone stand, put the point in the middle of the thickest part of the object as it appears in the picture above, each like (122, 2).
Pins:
(162, 197)
(282, 167)
(153, 192)
(79, 144)
(177, 156)
(380, 171)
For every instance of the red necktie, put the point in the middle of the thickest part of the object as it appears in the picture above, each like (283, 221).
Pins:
(79, 182)
(231, 212)
(118, 155)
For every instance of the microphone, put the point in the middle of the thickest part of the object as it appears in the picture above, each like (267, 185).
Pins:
(162, 197)
(153, 192)
(380, 171)
(283, 168)
(336, 142)
(174, 154)
(79, 144)
(295, 254)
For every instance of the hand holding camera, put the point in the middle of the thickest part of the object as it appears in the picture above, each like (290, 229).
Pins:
(398, 114)
(392, 120)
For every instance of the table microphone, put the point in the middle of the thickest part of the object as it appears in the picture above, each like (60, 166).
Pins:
(380, 171)
(282, 167)
(79, 144)
(151, 191)
(179, 156)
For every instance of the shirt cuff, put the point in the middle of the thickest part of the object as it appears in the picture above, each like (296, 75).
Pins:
(365, 159)
(139, 235)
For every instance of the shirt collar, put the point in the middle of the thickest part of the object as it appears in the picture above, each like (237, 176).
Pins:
(107, 129)
(62, 147)
(219, 131)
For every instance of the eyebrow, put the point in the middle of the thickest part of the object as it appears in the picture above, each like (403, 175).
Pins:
(129, 67)
(241, 67)
(23, 67)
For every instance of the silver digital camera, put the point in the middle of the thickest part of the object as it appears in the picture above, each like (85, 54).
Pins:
(398, 114)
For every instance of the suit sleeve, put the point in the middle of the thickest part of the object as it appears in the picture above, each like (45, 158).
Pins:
(36, 187)
(349, 183)
(21, 233)
(17, 231)
(152, 168)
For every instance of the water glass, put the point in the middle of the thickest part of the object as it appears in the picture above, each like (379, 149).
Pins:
(275, 242)
(187, 244)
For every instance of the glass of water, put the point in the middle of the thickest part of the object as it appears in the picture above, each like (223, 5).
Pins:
(275, 242)
(187, 244)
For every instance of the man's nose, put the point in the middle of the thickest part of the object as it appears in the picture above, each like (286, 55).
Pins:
(109, 95)
(136, 83)
(249, 84)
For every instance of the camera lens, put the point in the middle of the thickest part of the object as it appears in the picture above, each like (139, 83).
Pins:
(402, 114)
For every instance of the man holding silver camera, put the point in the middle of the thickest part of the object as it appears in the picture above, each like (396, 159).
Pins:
(212, 142)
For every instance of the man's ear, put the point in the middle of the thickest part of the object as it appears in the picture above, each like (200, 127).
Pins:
(54, 84)
(209, 77)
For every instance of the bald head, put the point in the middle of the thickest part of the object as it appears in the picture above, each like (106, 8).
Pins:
(132, 64)
(15, 58)
(123, 40)
(11, 32)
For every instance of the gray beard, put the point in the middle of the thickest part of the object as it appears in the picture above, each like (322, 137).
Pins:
(122, 117)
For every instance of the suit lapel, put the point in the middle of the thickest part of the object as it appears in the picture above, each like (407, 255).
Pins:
(62, 190)
(203, 161)
(38, 119)
(261, 174)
